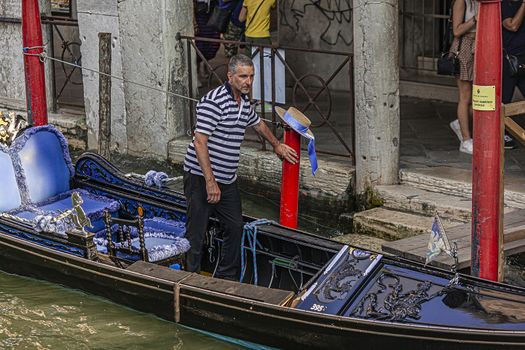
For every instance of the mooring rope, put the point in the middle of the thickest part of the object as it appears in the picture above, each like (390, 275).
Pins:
(43, 56)
(250, 233)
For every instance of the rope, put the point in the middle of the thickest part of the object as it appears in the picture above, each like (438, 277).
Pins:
(43, 56)
(250, 233)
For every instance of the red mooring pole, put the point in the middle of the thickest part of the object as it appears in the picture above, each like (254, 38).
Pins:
(290, 181)
(487, 162)
(34, 67)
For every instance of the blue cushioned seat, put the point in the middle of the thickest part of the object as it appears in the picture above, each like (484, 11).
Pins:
(10, 198)
(37, 170)
(94, 207)
(164, 239)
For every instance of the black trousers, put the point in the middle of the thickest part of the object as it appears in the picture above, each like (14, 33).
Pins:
(229, 212)
(509, 83)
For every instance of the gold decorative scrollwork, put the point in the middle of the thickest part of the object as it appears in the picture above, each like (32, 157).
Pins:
(10, 125)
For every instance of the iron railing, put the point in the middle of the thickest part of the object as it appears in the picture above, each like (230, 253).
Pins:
(422, 27)
(66, 78)
(310, 92)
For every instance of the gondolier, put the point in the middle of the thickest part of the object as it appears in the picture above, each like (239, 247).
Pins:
(211, 165)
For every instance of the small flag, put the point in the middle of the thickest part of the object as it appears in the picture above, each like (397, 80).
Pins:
(438, 242)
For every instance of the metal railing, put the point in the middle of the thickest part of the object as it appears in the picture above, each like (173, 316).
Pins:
(309, 92)
(64, 76)
(67, 79)
(422, 27)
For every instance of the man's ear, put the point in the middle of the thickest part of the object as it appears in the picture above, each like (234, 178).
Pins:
(229, 75)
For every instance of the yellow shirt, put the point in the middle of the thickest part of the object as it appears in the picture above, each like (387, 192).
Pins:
(258, 26)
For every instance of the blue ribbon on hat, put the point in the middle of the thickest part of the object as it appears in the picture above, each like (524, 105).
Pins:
(301, 129)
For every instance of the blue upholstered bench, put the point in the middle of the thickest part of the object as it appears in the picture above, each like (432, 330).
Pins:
(164, 239)
(36, 174)
(36, 171)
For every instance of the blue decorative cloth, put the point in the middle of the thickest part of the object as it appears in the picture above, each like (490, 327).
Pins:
(249, 234)
(164, 239)
(155, 178)
(303, 130)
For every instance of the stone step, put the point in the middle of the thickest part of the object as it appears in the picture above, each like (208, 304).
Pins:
(458, 182)
(418, 201)
(392, 225)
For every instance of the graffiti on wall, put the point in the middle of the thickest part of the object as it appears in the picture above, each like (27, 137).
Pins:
(335, 15)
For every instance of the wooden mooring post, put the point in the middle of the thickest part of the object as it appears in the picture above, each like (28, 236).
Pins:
(104, 89)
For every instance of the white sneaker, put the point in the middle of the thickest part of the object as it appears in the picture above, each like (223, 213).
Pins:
(466, 146)
(454, 125)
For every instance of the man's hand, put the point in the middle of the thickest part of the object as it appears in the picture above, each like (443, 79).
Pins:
(286, 152)
(213, 190)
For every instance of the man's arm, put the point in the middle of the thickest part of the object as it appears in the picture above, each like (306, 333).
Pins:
(282, 150)
(201, 149)
(514, 23)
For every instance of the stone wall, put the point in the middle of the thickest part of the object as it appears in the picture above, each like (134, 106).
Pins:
(12, 83)
(145, 50)
(320, 25)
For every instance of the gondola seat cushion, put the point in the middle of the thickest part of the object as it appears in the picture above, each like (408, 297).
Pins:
(164, 239)
(38, 171)
(45, 162)
(94, 207)
(10, 198)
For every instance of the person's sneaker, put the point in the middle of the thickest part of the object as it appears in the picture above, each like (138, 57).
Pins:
(454, 125)
(466, 146)
(509, 142)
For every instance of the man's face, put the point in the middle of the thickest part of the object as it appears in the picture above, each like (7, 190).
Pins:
(242, 79)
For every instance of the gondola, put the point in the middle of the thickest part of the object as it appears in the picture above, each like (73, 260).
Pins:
(90, 227)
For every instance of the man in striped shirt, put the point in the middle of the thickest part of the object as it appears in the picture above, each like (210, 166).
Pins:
(210, 165)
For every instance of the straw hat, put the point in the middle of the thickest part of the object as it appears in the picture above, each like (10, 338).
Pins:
(301, 124)
(296, 120)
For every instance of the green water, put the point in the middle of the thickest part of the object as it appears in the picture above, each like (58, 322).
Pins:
(40, 315)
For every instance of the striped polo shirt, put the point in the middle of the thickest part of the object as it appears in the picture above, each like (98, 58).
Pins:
(221, 118)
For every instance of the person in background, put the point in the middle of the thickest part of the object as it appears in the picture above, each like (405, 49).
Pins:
(210, 165)
(235, 27)
(464, 22)
(256, 15)
(512, 15)
(202, 9)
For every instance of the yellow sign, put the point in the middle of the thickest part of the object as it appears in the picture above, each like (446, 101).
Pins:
(484, 98)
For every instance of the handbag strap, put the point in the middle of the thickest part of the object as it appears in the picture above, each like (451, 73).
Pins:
(255, 13)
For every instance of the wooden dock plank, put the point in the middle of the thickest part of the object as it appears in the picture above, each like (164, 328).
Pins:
(415, 248)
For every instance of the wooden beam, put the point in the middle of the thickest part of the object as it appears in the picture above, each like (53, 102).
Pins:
(514, 109)
(515, 130)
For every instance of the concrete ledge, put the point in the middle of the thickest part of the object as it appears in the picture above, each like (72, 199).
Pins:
(421, 90)
(458, 182)
(393, 225)
(333, 180)
(415, 200)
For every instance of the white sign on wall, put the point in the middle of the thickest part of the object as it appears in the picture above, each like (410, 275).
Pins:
(280, 93)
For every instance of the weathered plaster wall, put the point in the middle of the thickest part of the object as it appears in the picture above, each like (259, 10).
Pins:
(97, 17)
(376, 93)
(146, 51)
(12, 85)
(152, 57)
(322, 25)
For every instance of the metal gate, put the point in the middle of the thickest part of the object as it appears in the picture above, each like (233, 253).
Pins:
(331, 111)
(422, 25)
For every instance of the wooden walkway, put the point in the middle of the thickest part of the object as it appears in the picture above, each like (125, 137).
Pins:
(415, 248)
